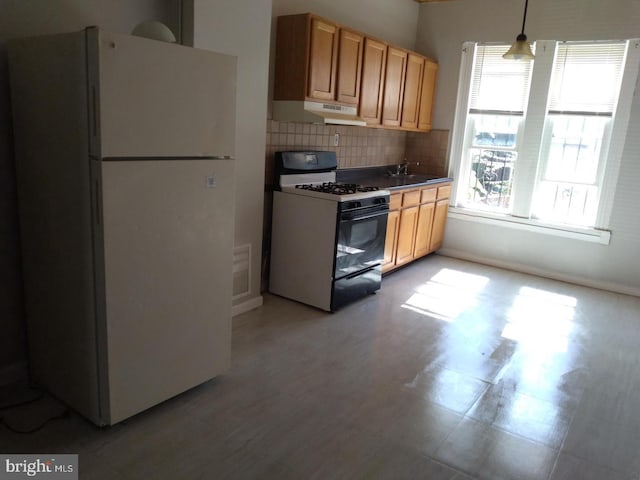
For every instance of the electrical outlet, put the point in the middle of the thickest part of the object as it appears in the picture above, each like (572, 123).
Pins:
(336, 140)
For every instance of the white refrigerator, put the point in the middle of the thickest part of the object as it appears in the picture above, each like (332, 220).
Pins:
(124, 161)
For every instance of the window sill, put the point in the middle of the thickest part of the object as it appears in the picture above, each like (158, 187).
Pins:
(592, 235)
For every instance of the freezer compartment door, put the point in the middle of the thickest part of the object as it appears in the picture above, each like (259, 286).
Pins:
(168, 234)
(150, 98)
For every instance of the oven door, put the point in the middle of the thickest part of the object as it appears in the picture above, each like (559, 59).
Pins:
(359, 253)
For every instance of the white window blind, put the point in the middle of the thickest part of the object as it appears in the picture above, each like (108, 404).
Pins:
(564, 138)
(586, 78)
(498, 85)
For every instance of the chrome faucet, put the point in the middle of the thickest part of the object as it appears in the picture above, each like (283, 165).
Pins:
(404, 168)
(401, 169)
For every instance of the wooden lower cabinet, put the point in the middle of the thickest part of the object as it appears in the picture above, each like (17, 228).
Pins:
(423, 230)
(406, 235)
(391, 240)
(416, 224)
(439, 222)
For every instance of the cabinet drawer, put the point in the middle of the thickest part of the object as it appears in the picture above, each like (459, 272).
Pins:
(428, 195)
(395, 201)
(410, 199)
(444, 191)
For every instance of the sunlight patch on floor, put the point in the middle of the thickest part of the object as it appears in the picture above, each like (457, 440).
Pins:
(541, 320)
(447, 294)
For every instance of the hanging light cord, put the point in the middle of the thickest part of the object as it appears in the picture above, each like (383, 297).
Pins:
(524, 18)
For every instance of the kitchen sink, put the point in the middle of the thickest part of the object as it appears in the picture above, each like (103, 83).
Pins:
(401, 175)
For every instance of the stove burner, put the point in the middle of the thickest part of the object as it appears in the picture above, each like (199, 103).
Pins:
(337, 188)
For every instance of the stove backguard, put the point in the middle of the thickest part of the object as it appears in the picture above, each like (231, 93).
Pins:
(304, 161)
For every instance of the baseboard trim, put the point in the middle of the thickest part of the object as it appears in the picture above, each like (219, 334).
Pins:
(13, 373)
(246, 306)
(519, 267)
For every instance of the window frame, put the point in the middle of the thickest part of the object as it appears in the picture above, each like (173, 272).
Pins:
(469, 146)
(530, 150)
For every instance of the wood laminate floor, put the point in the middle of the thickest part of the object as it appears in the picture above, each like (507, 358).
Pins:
(452, 371)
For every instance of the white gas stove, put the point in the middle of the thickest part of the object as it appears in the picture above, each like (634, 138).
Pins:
(324, 185)
(327, 238)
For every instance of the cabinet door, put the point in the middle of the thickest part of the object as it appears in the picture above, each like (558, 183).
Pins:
(412, 89)
(394, 87)
(423, 229)
(427, 95)
(439, 222)
(395, 201)
(349, 67)
(406, 235)
(373, 69)
(323, 54)
(391, 240)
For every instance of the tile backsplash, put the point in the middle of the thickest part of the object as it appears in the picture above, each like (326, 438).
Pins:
(429, 150)
(360, 146)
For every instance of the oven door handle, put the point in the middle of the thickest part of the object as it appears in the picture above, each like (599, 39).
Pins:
(361, 272)
(354, 216)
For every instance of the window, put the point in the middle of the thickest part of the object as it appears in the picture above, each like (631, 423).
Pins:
(585, 83)
(532, 139)
(498, 100)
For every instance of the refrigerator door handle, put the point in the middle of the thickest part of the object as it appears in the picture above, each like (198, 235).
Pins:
(94, 112)
(167, 158)
(97, 199)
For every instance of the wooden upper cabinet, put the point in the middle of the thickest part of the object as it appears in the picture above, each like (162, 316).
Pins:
(323, 57)
(319, 60)
(427, 95)
(412, 89)
(316, 59)
(394, 86)
(292, 53)
(350, 51)
(374, 62)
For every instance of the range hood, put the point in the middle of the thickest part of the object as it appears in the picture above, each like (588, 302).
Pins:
(316, 112)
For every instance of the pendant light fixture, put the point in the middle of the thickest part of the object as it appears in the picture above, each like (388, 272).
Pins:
(520, 50)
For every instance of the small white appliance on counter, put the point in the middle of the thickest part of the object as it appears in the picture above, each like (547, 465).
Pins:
(124, 161)
(327, 238)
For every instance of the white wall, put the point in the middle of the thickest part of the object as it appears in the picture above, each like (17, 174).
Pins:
(242, 28)
(19, 19)
(36, 17)
(442, 28)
